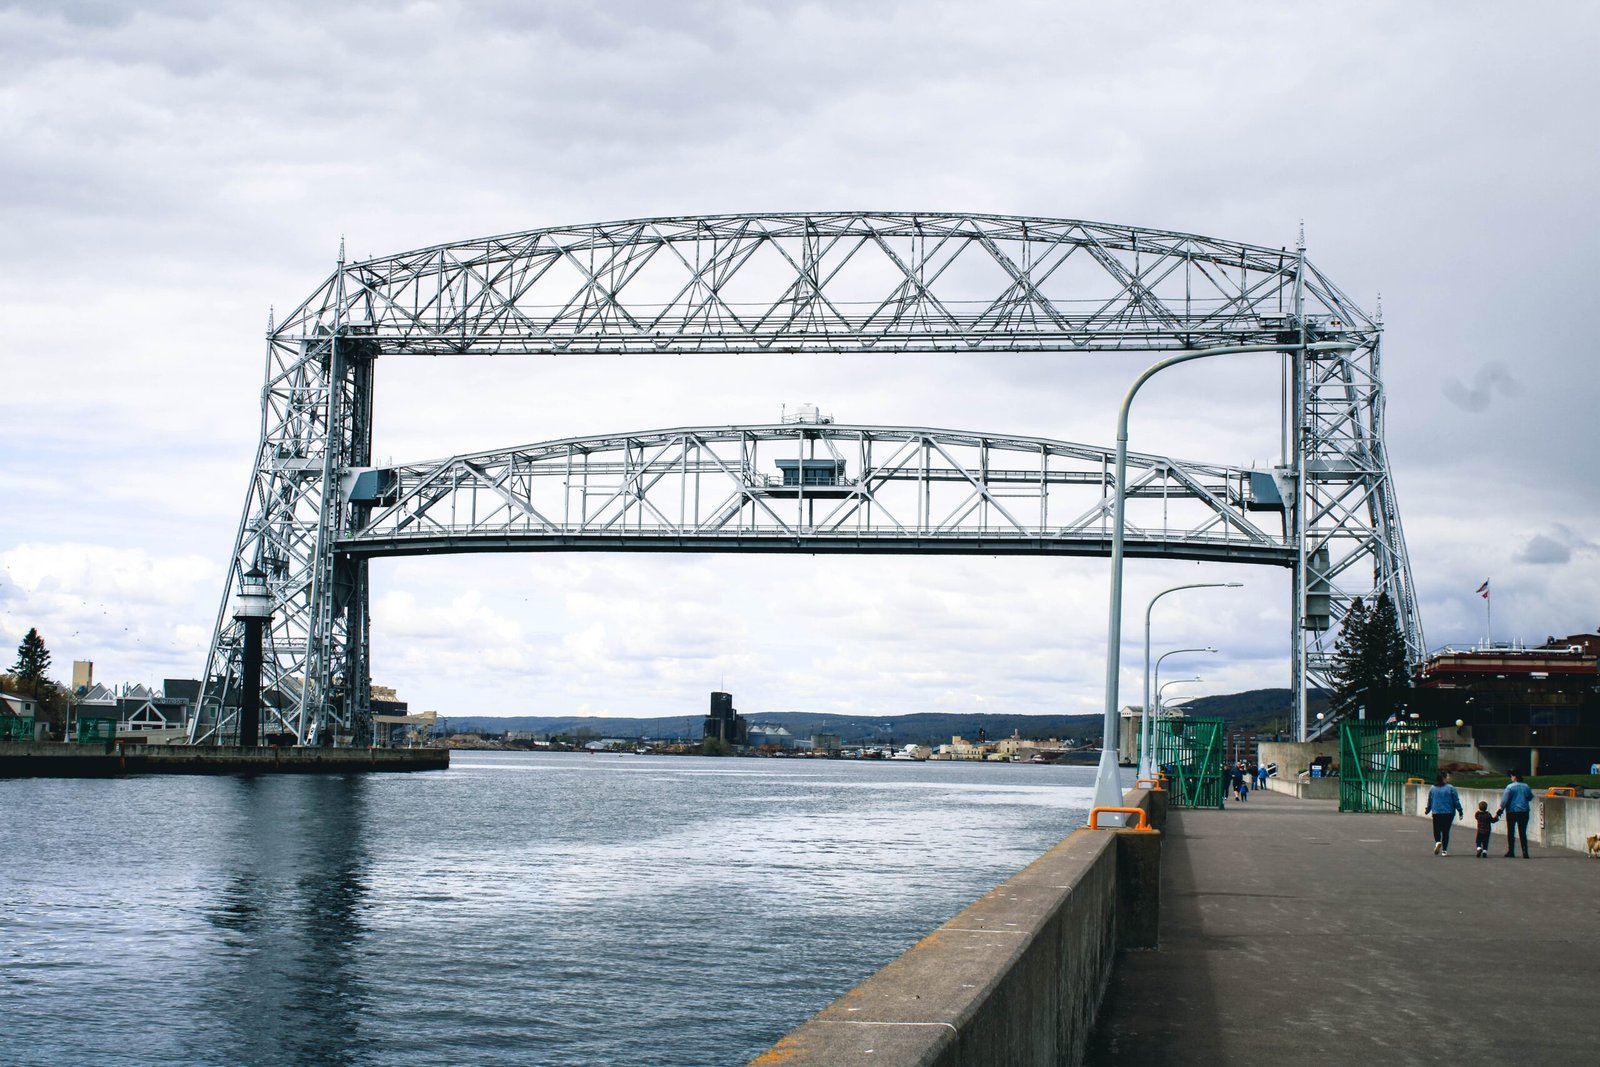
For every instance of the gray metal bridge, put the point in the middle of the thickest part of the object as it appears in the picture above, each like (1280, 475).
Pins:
(317, 509)
(813, 487)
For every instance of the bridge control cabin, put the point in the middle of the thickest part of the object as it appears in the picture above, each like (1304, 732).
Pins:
(820, 478)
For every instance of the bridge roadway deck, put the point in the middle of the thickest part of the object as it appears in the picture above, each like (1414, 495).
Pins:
(1291, 932)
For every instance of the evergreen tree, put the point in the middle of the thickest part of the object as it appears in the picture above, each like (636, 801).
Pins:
(1350, 658)
(33, 659)
(1370, 665)
(1387, 646)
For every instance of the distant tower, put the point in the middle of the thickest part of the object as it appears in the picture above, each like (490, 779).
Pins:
(724, 723)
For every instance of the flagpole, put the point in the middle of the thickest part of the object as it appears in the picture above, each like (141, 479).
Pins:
(1488, 615)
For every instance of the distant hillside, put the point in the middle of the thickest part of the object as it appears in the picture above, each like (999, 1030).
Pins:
(1259, 710)
(1255, 711)
(923, 728)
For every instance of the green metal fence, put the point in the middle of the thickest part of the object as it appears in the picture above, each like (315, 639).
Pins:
(1376, 758)
(1190, 753)
(91, 730)
(16, 727)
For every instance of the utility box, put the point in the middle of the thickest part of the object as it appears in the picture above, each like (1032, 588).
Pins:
(1319, 598)
(1264, 494)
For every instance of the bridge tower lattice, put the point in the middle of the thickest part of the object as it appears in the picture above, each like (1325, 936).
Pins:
(856, 283)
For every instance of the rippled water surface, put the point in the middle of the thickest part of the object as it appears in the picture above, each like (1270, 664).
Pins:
(516, 909)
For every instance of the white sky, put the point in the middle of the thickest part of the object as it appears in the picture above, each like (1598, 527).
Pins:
(168, 171)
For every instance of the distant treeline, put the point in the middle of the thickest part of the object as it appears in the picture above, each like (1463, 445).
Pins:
(1258, 710)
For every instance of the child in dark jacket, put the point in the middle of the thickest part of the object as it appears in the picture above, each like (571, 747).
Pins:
(1485, 822)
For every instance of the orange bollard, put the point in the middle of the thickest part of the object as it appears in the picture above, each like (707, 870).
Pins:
(1143, 823)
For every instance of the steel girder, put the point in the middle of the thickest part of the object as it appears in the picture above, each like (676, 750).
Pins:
(859, 282)
(874, 489)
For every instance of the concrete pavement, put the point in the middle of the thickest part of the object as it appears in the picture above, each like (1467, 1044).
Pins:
(1291, 931)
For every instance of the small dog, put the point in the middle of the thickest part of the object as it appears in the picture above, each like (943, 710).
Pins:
(1593, 842)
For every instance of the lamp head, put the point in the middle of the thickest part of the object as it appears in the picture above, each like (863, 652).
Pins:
(254, 600)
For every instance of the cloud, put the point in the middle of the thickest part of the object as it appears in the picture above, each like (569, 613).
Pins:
(139, 615)
(1490, 379)
(1559, 546)
(1542, 549)
(174, 168)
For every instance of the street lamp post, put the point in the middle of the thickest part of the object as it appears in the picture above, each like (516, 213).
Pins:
(1146, 751)
(1174, 652)
(1145, 767)
(1175, 681)
(1107, 789)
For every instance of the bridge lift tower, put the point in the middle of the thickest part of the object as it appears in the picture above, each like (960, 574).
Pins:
(317, 509)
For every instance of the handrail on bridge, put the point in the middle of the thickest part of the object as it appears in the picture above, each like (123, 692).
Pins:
(1158, 783)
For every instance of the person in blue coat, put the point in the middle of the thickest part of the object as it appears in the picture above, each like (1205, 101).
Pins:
(1517, 803)
(1444, 804)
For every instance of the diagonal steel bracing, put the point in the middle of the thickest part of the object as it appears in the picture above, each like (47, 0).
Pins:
(850, 282)
(959, 492)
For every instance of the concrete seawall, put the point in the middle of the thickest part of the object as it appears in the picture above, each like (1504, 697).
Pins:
(45, 759)
(1016, 978)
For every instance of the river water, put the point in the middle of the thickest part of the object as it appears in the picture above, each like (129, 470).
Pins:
(516, 909)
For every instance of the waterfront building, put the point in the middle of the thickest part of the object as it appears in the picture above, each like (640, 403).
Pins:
(960, 748)
(724, 723)
(827, 744)
(391, 721)
(19, 718)
(1508, 707)
(769, 735)
(1247, 747)
(134, 712)
(1019, 749)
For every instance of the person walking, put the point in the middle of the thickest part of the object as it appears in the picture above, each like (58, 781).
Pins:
(1444, 804)
(1485, 827)
(1516, 803)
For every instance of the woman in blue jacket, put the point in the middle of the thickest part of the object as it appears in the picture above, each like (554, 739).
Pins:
(1444, 804)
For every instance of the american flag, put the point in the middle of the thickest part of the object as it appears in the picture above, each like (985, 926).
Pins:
(1483, 590)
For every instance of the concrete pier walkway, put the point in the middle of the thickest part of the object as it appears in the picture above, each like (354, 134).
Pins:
(1292, 932)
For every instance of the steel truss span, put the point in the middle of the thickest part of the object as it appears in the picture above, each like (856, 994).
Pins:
(852, 282)
(812, 488)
